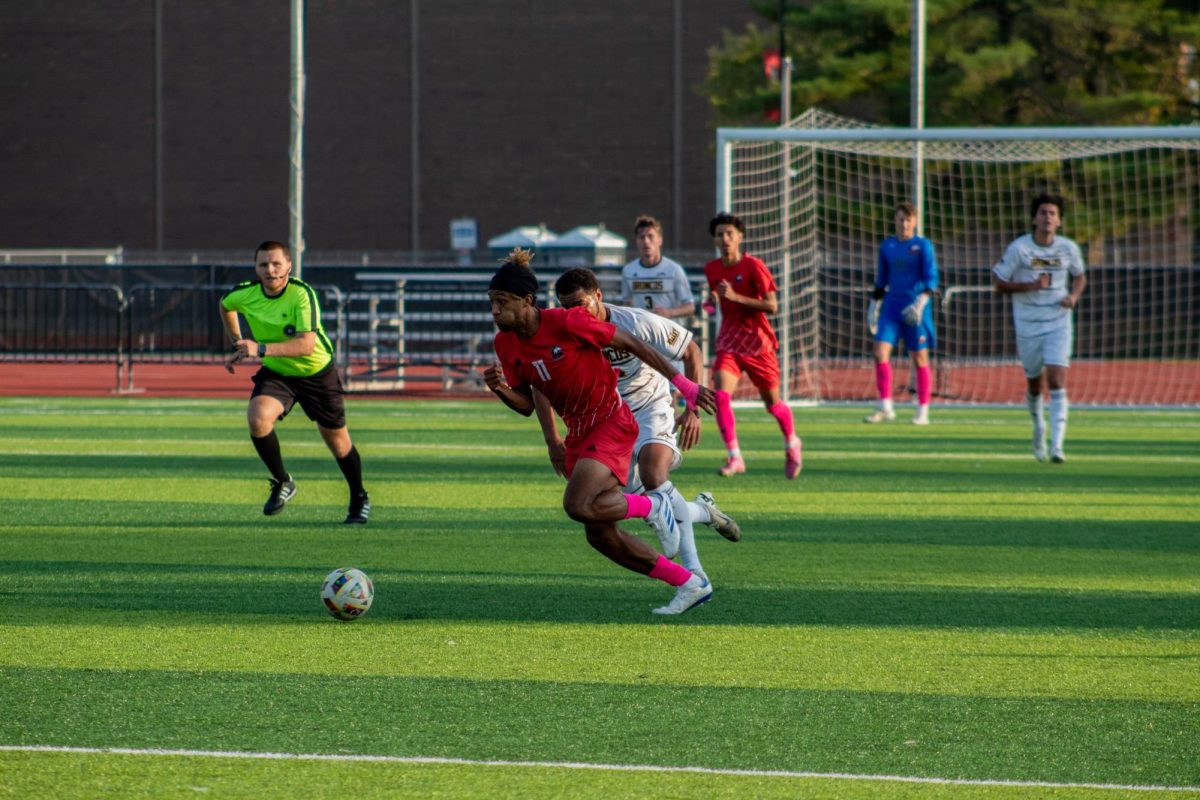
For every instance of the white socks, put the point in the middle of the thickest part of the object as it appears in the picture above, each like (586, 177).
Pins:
(1058, 419)
(699, 512)
(687, 535)
(1035, 410)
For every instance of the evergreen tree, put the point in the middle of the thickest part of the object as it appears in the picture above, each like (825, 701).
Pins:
(988, 62)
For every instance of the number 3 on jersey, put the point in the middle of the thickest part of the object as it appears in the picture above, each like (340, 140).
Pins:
(542, 370)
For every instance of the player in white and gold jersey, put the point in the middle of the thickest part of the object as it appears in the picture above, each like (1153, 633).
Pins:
(1044, 273)
(654, 282)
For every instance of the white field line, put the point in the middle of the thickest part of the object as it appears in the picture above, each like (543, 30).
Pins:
(756, 773)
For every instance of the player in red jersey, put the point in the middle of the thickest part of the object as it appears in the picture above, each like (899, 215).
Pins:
(746, 342)
(558, 352)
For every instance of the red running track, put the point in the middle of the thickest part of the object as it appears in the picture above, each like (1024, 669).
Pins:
(1125, 382)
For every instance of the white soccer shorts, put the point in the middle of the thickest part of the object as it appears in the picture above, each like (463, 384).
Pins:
(656, 425)
(1051, 348)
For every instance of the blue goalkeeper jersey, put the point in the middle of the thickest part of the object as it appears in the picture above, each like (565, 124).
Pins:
(905, 269)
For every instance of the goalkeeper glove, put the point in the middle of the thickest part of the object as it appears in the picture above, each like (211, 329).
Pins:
(914, 312)
(873, 309)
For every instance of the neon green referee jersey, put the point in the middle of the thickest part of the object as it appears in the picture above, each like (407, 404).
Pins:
(293, 311)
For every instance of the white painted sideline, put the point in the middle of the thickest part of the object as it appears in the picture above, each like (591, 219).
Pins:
(755, 773)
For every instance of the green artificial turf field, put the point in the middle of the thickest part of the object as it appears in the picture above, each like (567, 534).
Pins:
(923, 603)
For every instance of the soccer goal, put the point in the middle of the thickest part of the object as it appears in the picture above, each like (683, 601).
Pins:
(817, 197)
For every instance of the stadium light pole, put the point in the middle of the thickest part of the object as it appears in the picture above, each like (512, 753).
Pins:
(414, 130)
(785, 214)
(785, 211)
(159, 203)
(296, 147)
(782, 31)
(677, 126)
(917, 106)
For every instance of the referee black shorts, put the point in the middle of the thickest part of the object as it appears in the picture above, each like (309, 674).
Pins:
(320, 395)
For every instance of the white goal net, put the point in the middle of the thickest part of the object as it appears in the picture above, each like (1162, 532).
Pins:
(817, 197)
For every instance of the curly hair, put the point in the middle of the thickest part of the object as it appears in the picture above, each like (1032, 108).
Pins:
(725, 218)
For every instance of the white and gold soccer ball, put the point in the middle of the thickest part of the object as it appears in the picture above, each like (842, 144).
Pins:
(347, 593)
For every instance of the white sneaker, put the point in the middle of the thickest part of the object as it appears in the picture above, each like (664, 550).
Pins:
(921, 417)
(879, 415)
(1056, 456)
(664, 524)
(1039, 444)
(696, 591)
(719, 521)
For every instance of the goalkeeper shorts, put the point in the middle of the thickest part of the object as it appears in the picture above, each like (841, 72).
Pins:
(916, 337)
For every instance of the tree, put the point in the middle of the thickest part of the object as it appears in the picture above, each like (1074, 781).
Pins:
(988, 62)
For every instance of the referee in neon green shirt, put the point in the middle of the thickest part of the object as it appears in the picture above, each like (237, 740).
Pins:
(297, 367)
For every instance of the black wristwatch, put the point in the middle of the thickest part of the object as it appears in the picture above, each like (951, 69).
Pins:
(262, 350)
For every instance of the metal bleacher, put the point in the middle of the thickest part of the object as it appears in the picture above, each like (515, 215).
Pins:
(426, 325)
(412, 331)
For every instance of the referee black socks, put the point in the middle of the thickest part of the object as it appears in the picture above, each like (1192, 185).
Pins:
(268, 450)
(351, 466)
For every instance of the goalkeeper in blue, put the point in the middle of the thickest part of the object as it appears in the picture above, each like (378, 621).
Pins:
(905, 280)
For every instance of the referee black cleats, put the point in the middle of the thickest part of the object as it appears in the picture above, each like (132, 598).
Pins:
(360, 509)
(281, 492)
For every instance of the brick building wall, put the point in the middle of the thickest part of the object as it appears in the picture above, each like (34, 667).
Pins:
(549, 111)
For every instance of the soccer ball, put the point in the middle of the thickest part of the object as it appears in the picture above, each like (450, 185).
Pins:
(347, 593)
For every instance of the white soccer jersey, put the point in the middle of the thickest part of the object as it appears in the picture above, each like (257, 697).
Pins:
(638, 384)
(1039, 311)
(665, 285)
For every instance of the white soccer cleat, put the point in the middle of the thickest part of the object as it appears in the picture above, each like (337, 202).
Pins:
(921, 417)
(718, 520)
(662, 521)
(1039, 444)
(695, 592)
(879, 415)
(1056, 456)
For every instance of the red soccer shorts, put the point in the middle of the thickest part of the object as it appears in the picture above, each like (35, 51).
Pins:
(610, 443)
(763, 369)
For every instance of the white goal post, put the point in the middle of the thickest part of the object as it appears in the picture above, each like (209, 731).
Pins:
(817, 197)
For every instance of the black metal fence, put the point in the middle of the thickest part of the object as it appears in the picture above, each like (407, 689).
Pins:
(389, 327)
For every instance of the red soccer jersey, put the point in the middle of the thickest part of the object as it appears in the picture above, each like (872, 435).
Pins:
(744, 331)
(564, 361)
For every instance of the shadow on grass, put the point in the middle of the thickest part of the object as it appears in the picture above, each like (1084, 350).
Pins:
(1134, 535)
(492, 471)
(917, 441)
(942, 478)
(480, 471)
(306, 521)
(290, 594)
